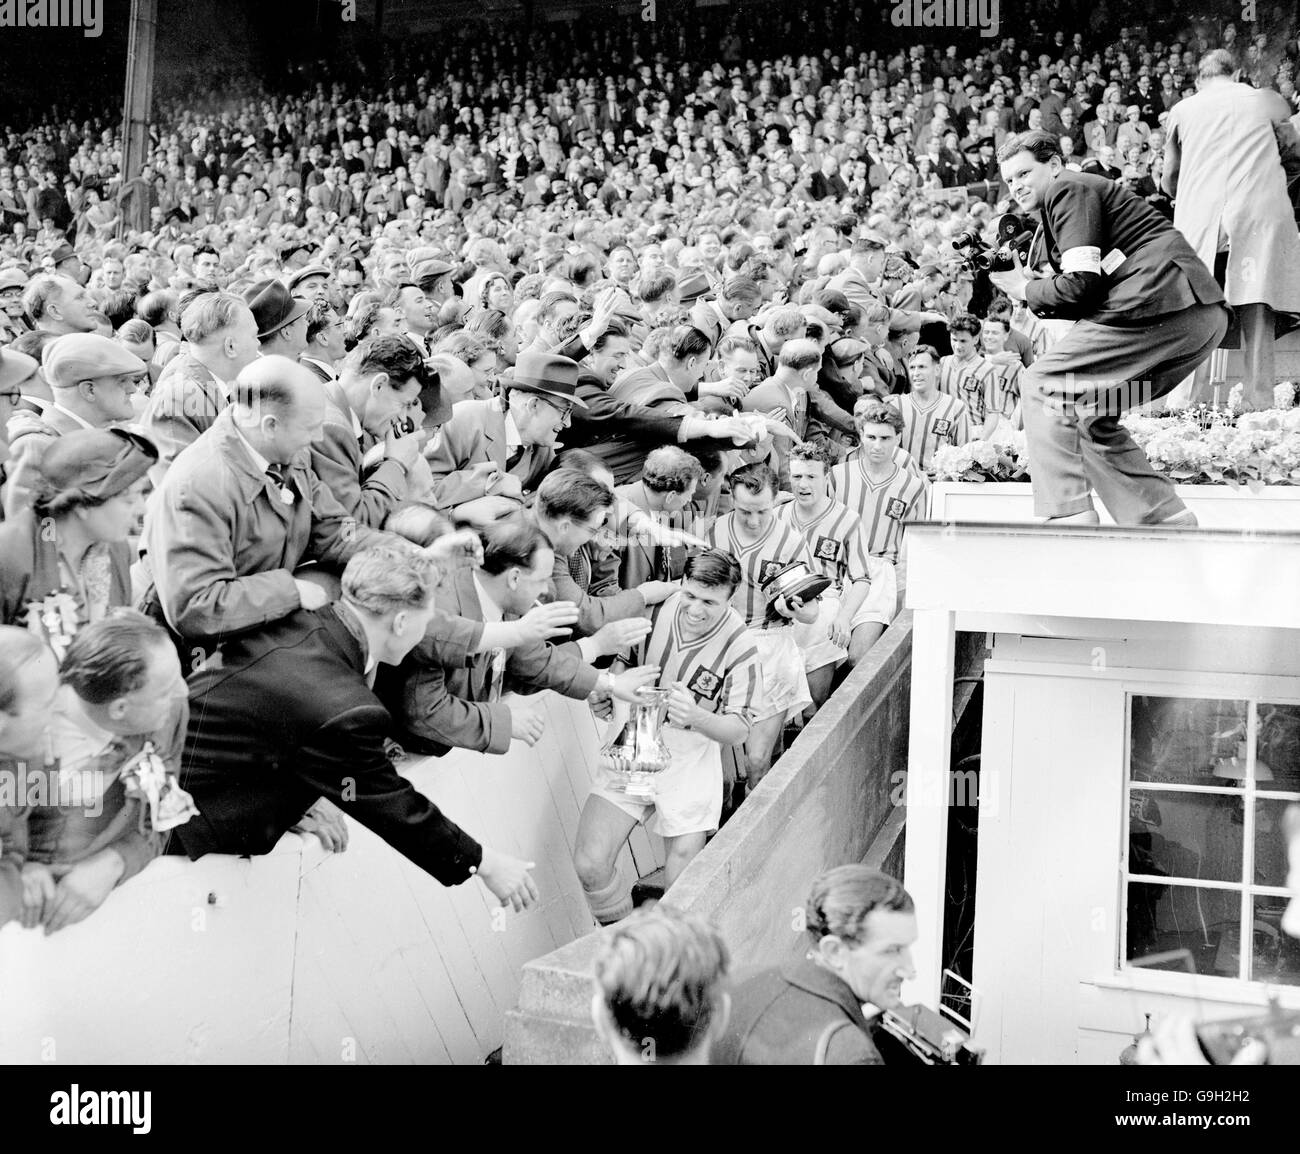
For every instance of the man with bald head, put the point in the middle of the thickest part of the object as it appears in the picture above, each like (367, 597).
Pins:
(241, 509)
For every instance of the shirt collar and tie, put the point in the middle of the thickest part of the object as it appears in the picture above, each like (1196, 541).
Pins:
(278, 474)
(515, 447)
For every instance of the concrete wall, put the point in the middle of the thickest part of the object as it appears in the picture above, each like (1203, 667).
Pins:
(827, 801)
(303, 956)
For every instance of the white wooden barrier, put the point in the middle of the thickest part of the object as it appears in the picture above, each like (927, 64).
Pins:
(304, 956)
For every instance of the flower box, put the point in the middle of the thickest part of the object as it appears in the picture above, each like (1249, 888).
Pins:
(1216, 506)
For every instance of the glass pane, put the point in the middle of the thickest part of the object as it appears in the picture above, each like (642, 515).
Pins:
(1187, 740)
(1270, 843)
(1186, 835)
(1206, 923)
(1278, 748)
(1276, 955)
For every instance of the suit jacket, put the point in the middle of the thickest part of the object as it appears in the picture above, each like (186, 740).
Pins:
(621, 433)
(222, 545)
(1148, 267)
(475, 433)
(442, 697)
(288, 718)
(183, 405)
(63, 835)
(780, 1016)
(30, 434)
(336, 460)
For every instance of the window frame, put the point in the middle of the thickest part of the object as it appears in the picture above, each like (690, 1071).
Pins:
(1254, 691)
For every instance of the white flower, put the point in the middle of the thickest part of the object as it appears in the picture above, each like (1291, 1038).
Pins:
(1284, 395)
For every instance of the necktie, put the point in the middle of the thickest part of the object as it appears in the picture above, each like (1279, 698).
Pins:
(514, 457)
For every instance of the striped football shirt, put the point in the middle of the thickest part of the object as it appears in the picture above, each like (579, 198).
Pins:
(943, 421)
(835, 540)
(970, 381)
(721, 668)
(1003, 397)
(779, 546)
(883, 506)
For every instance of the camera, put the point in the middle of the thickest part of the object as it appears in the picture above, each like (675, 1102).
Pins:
(1014, 237)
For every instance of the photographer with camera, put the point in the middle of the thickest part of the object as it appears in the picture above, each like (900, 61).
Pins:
(1147, 312)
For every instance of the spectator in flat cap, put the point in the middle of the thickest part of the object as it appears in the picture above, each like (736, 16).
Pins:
(58, 304)
(93, 380)
(432, 275)
(281, 319)
(12, 322)
(220, 339)
(65, 561)
(311, 282)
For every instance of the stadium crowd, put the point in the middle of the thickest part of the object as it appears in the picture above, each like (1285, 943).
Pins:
(358, 414)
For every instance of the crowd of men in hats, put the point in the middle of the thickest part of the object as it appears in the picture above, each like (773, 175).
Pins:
(367, 416)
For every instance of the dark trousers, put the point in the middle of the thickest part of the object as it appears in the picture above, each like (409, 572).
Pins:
(1075, 394)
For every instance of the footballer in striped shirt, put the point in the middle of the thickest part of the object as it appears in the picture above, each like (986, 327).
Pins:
(930, 418)
(872, 482)
(1004, 400)
(968, 376)
(856, 610)
(757, 538)
(763, 545)
(709, 663)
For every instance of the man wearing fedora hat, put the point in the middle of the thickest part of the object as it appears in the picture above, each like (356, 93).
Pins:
(487, 450)
(281, 319)
(93, 379)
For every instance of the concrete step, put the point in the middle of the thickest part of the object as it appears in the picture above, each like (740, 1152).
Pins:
(532, 1040)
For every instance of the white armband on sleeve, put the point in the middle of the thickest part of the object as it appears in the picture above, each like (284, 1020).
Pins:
(1085, 258)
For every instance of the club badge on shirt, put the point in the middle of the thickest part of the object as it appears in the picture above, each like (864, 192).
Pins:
(942, 427)
(705, 684)
(828, 549)
(896, 508)
(769, 570)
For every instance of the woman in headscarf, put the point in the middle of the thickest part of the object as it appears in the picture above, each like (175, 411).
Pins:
(66, 561)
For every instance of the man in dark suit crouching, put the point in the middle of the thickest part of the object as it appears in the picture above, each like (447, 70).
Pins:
(289, 716)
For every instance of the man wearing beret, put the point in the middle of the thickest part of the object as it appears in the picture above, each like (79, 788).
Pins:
(67, 561)
(93, 380)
